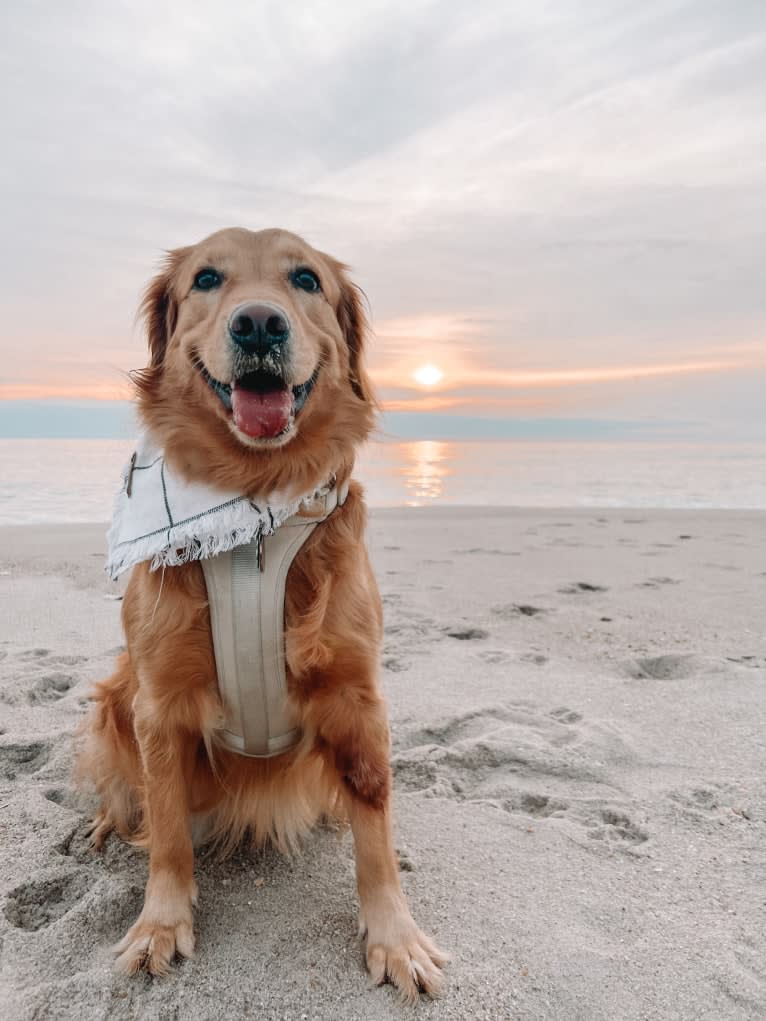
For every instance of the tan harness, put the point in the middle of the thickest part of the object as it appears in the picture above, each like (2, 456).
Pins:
(246, 595)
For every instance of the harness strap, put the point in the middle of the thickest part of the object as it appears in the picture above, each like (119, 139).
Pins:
(246, 595)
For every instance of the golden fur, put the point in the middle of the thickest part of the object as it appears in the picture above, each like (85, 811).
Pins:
(150, 742)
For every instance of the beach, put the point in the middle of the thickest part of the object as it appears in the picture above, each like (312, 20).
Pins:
(577, 702)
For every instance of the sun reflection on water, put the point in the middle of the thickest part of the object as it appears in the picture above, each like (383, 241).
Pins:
(426, 466)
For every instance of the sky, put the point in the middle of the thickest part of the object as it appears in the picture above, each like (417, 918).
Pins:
(561, 206)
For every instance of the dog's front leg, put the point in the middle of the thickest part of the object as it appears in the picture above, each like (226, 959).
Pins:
(354, 726)
(396, 948)
(165, 925)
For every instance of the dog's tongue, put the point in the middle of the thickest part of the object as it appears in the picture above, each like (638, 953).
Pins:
(261, 415)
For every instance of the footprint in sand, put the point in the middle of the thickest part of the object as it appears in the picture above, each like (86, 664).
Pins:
(40, 678)
(63, 797)
(616, 826)
(582, 586)
(396, 666)
(411, 628)
(534, 657)
(564, 715)
(44, 659)
(32, 654)
(20, 759)
(713, 804)
(512, 757)
(492, 743)
(406, 630)
(657, 582)
(541, 805)
(467, 634)
(698, 799)
(587, 817)
(671, 667)
(38, 903)
(517, 610)
(755, 662)
(51, 688)
(501, 657)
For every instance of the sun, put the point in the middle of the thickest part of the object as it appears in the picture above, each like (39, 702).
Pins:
(428, 375)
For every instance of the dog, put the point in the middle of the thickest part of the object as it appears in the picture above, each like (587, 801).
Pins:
(256, 383)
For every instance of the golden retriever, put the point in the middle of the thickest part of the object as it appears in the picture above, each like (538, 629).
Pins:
(278, 407)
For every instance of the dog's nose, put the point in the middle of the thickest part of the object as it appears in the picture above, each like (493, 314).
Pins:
(257, 327)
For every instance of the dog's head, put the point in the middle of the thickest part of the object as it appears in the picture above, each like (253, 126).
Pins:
(256, 371)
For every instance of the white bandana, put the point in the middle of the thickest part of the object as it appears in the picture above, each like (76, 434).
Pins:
(163, 518)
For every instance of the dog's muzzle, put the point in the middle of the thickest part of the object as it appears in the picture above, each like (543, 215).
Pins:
(263, 405)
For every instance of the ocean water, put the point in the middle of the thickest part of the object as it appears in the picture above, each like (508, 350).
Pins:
(75, 480)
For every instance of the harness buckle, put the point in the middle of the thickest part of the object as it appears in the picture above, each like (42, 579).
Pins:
(131, 469)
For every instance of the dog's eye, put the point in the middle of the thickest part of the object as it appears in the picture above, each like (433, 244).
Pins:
(305, 279)
(207, 279)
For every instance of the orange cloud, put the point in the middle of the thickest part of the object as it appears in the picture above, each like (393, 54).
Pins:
(66, 391)
(434, 403)
(545, 378)
(606, 374)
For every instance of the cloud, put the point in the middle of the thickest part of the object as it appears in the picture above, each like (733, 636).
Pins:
(534, 188)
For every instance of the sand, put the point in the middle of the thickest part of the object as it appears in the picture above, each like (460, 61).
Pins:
(578, 706)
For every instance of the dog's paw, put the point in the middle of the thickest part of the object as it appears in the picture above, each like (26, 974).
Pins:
(100, 828)
(152, 947)
(164, 929)
(398, 951)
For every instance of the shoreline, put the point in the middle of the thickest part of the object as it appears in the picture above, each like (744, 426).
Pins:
(77, 479)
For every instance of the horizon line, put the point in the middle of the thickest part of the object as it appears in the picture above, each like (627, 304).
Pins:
(441, 395)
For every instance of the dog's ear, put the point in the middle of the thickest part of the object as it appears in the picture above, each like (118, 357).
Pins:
(353, 324)
(159, 308)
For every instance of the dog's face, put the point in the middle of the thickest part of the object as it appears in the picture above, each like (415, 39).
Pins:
(256, 341)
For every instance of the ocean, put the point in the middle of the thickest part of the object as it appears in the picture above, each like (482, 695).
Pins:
(46, 481)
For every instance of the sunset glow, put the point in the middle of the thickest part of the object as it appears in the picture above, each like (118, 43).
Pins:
(427, 375)
(477, 378)
(460, 387)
